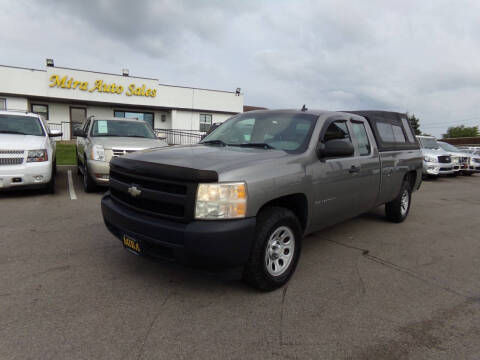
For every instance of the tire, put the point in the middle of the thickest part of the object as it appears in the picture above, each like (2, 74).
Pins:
(276, 250)
(78, 165)
(397, 210)
(88, 184)
(50, 189)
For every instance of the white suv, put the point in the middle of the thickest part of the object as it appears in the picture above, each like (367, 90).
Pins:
(27, 152)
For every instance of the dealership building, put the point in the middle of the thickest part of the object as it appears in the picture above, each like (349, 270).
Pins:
(65, 97)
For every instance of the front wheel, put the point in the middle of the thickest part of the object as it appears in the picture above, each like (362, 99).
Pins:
(50, 188)
(397, 209)
(276, 250)
(88, 183)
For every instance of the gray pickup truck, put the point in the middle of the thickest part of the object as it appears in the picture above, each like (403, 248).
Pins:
(246, 195)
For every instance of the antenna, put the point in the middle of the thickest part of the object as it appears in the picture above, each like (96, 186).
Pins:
(304, 108)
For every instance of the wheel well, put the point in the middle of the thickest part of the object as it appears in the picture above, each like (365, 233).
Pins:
(296, 203)
(411, 177)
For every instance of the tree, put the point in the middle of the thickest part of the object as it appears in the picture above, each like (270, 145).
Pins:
(415, 123)
(461, 131)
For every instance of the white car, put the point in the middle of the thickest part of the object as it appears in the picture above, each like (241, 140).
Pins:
(27, 152)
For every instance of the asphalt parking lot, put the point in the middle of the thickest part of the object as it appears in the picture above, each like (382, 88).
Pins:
(364, 289)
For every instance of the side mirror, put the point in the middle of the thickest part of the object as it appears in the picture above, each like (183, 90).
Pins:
(55, 133)
(79, 133)
(334, 148)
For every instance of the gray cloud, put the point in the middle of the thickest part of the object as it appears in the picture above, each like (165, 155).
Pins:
(407, 56)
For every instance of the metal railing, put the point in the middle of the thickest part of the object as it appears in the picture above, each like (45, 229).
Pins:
(179, 137)
(172, 136)
(63, 127)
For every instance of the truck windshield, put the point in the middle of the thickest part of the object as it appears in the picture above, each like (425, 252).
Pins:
(121, 128)
(448, 147)
(273, 130)
(21, 125)
(429, 143)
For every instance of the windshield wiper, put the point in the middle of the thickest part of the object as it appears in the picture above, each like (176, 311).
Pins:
(12, 132)
(257, 145)
(214, 142)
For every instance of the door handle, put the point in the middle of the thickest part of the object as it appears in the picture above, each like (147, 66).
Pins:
(354, 169)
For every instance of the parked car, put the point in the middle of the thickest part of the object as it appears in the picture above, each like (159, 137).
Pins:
(101, 139)
(474, 160)
(27, 152)
(245, 201)
(436, 161)
(460, 159)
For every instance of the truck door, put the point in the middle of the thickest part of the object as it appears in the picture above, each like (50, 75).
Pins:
(334, 180)
(368, 177)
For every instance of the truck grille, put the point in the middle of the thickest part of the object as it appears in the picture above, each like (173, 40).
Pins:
(444, 159)
(11, 161)
(159, 197)
(11, 152)
(11, 157)
(120, 152)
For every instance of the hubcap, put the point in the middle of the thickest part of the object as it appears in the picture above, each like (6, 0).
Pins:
(279, 251)
(404, 203)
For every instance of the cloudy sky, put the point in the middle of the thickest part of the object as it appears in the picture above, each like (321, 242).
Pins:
(415, 56)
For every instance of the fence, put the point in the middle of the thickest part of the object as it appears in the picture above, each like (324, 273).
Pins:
(172, 136)
(179, 137)
(63, 127)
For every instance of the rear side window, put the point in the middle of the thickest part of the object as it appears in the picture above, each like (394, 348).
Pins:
(385, 131)
(362, 138)
(398, 134)
(391, 133)
(408, 131)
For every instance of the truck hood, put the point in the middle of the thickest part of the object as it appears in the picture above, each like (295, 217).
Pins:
(211, 160)
(460, 154)
(434, 152)
(21, 142)
(132, 143)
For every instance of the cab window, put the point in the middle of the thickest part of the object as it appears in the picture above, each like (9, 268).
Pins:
(360, 133)
(337, 130)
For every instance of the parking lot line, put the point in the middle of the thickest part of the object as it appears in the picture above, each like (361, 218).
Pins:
(71, 189)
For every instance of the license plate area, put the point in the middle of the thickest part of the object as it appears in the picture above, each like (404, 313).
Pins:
(131, 245)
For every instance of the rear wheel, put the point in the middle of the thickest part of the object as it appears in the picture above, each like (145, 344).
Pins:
(276, 250)
(397, 209)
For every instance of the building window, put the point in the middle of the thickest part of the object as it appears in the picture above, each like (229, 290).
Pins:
(146, 116)
(3, 104)
(205, 122)
(40, 109)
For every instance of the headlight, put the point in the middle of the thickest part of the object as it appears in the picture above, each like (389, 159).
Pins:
(98, 153)
(221, 201)
(37, 155)
(429, 158)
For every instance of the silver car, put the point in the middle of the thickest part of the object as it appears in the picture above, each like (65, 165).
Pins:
(473, 165)
(460, 159)
(436, 161)
(100, 139)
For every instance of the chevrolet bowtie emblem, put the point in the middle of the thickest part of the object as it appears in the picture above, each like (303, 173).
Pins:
(134, 191)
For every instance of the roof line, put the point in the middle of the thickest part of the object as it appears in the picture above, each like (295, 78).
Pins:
(20, 67)
(122, 76)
